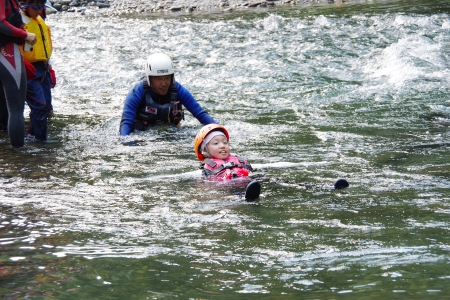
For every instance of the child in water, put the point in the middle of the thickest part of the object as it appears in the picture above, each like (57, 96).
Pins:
(212, 148)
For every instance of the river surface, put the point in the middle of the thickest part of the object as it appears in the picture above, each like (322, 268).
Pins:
(309, 94)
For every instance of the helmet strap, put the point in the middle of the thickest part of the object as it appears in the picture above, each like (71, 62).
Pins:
(206, 154)
(25, 9)
(149, 81)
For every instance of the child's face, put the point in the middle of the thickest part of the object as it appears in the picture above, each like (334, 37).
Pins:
(219, 147)
(35, 8)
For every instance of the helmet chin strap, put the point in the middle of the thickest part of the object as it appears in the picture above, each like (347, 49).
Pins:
(205, 153)
(25, 10)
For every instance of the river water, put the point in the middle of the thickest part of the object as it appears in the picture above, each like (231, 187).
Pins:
(309, 94)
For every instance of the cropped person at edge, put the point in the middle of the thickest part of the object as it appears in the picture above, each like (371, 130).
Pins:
(40, 75)
(13, 86)
(159, 99)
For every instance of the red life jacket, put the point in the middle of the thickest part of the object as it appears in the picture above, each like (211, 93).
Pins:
(232, 167)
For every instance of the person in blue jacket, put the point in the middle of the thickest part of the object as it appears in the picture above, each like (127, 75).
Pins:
(159, 99)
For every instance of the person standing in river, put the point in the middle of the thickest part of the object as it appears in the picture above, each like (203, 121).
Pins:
(13, 85)
(40, 82)
(159, 99)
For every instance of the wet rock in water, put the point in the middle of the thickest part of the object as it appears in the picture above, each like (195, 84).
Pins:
(103, 5)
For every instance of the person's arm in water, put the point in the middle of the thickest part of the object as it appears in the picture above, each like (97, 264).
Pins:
(130, 108)
(193, 107)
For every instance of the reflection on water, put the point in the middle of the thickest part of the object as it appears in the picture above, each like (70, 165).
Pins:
(308, 94)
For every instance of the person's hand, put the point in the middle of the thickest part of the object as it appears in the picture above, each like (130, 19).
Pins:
(30, 69)
(52, 77)
(31, 38)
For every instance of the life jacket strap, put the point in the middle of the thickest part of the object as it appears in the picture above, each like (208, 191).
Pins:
(210, 162)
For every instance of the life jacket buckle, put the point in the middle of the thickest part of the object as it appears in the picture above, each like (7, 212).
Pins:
(175, 110)
(228, 165)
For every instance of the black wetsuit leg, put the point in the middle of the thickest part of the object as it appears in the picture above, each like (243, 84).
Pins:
(13, 78)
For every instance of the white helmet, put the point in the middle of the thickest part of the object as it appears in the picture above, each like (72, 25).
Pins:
(158, 64)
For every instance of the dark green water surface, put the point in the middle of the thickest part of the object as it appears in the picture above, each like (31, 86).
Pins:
(309, 94)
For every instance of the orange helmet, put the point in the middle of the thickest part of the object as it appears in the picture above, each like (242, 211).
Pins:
(204, 131)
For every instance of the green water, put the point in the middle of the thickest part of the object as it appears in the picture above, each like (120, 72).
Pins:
(309, 94)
